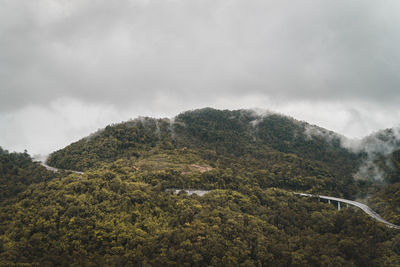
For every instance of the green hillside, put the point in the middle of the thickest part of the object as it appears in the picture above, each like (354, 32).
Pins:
(272, 150)
(120, 211)
(17, 172)
(383, 149)
(237, 133)
(112, 217)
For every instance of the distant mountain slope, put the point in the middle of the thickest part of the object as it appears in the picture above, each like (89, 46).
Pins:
(120, 211)
(17, 172)
(380, 154)
(244, 132)
(234, 133)
(287, 152)
(130, 139)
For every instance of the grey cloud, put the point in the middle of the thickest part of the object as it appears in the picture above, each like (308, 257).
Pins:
(127, 51)
(332, 63)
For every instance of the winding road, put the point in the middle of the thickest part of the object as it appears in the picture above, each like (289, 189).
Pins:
(53, 169)
(359, 205)
(362, 206)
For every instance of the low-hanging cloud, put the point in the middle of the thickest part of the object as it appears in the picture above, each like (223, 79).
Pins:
(307, 59)
(373, 147)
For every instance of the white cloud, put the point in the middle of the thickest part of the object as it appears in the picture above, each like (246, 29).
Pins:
(332, 63)
(43, 129)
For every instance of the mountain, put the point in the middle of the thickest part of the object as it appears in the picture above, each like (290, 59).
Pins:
(382, 155)
(17, 172)
(286, 152)
(118, 216)
(237, 133)
(382, 164)
(121, 210)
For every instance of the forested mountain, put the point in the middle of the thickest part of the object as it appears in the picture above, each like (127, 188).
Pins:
(385, 198)
(17, 172)
(119, 212)
(279, 150)
(381, 155)
(236, 133)
(110, 217)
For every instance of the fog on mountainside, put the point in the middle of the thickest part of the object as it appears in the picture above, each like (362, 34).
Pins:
(376, 149)
(282, 133)
(121, 210)
(199, 133)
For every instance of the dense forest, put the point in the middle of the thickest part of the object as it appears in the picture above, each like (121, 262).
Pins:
(120, 213)
(232, 133)
(17, 172)
(275, 150)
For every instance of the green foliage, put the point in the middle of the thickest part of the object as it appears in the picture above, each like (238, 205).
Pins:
(386, 201)
(108, 217)
(240, 140)
(17, 171)
(120, 213)
(130, 139)
(389, 165)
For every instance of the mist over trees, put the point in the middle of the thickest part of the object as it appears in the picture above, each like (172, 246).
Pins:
(120, 213)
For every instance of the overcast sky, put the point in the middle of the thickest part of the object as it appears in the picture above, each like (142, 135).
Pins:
(69, 67)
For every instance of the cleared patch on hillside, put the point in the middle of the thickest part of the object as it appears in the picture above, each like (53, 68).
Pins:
(182, 160)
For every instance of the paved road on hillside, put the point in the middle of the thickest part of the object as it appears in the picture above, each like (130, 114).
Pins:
(362, 206)
(359, 205)
(53, 169)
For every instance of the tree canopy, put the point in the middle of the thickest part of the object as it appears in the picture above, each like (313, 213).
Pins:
(119, 211)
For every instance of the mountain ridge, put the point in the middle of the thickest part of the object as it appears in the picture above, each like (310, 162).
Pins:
(118, 212)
